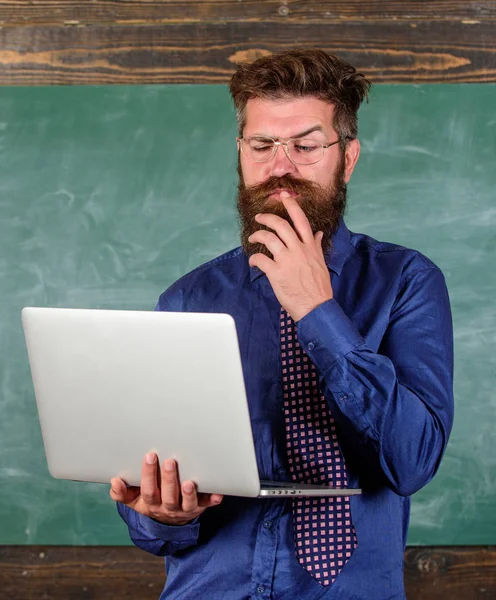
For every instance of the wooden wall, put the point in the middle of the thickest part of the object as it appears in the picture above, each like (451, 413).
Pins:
(103, 573)
(168, 41)
(50, 42)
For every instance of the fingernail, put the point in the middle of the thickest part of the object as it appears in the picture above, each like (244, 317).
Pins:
(188, 487)
(284, 195)
(150, 458)
(169, 465)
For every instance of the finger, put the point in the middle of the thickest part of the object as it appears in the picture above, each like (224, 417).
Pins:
(209, 500)
(300, 221)
(190, 498)
(269, 240)
(170, 485)
(119, 492)
(264, 263)
(319, 236)
(150, 491)
(284, 231)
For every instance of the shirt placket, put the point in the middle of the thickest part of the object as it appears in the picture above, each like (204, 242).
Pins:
(264, 559)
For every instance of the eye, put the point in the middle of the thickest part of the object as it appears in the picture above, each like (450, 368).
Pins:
(261, 144)
(305, 146)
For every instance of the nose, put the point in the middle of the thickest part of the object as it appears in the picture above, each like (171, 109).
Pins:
(280, 164)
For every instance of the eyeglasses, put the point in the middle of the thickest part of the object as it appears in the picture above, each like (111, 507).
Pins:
(301, 151)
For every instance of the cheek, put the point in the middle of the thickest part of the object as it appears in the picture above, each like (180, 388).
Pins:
(320, 175)
(253, 173)
(325, 174)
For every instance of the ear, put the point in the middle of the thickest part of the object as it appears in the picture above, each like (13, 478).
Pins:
(351, 155)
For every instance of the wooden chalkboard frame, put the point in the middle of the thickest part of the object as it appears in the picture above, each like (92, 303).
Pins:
(110, 42)
(127, 573)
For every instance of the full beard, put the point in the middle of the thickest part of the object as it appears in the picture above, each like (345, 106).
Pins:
(323, 206)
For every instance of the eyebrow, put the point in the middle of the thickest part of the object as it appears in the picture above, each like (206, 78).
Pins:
(298, 135)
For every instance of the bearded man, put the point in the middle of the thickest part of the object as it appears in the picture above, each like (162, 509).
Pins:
(346, 345)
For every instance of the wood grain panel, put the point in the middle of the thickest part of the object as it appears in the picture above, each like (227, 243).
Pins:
(467, 573)
(172, 11)
(96, 573)
(396, 51)
(106, 573)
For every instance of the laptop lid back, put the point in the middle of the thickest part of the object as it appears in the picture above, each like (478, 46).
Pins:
(113, 385)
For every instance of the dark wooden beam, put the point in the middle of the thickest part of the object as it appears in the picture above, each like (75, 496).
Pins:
(69, 42)
(396, 51)
(450, 572)
(106, 573)
(98, 572)
(59, 12)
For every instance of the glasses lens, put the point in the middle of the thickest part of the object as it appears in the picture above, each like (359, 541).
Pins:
(305, 152)
(302, 151)
(257, 149)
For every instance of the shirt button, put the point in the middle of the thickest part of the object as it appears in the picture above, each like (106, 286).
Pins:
(343, 396)
(260, 589)
(281, 471)
(311, 346)
(267, 524)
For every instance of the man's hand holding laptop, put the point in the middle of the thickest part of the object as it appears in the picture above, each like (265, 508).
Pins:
(161, 496)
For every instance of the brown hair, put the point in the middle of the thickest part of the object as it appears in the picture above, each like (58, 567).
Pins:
(298, 73)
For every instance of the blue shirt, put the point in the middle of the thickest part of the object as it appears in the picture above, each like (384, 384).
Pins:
(383, 350)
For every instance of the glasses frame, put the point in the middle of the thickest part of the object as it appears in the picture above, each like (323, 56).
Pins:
(286, 149)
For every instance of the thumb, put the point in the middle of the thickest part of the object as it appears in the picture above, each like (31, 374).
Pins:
(119, 492)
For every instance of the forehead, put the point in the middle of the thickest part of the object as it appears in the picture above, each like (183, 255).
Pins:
(284, 118)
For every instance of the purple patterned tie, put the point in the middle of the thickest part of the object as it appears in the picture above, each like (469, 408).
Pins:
(324, 534)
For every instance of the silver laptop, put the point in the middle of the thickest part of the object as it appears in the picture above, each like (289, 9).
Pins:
(113, 385)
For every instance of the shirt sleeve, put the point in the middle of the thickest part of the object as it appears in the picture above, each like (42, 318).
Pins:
(157, 538)
(393, 407)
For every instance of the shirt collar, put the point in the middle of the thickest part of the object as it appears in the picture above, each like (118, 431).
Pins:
(335, 256)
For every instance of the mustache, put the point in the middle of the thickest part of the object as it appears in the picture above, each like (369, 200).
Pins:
(261, 191)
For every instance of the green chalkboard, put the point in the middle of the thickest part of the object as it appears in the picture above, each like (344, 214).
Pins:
(108, 194)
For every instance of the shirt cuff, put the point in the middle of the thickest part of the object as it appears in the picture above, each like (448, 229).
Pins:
(170, 533)
(327, 334)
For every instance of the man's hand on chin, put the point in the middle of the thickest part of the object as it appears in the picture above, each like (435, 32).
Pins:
(297, 272)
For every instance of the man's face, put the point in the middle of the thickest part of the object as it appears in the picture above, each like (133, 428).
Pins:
(320, 188)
